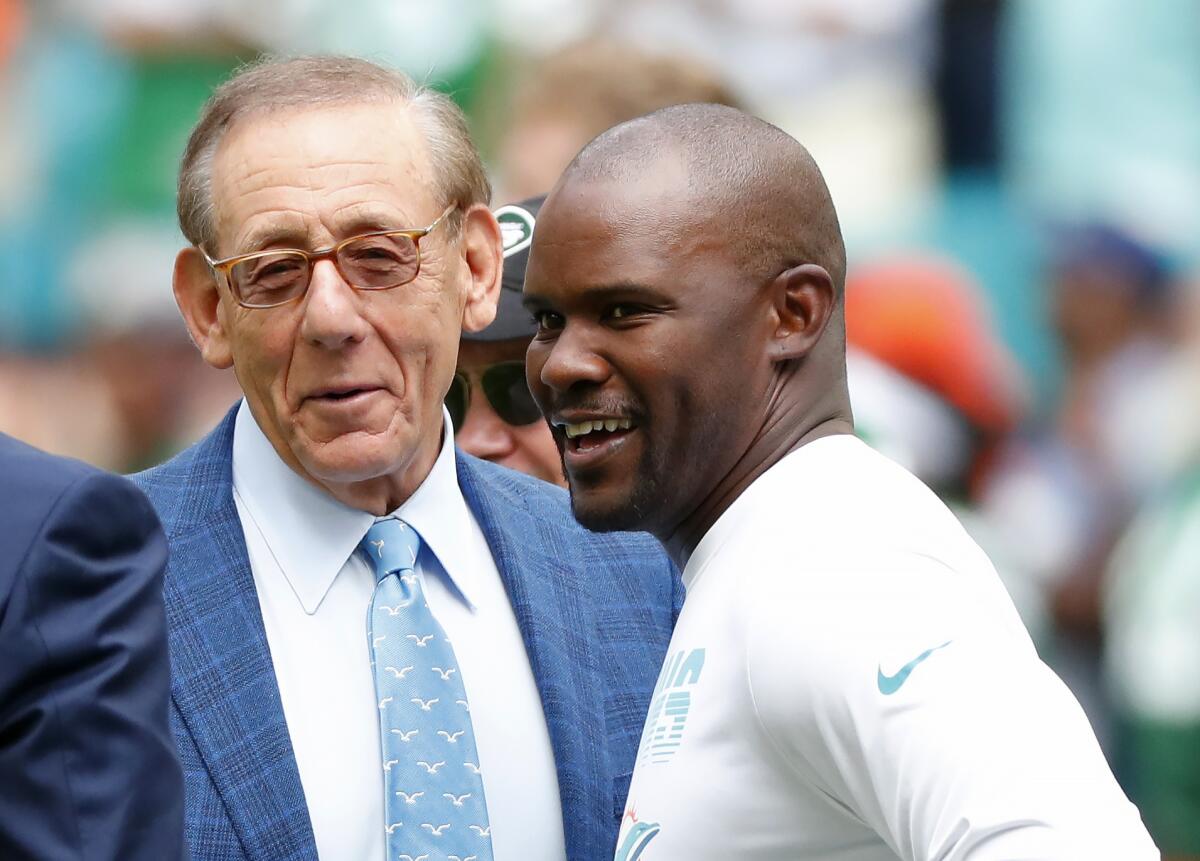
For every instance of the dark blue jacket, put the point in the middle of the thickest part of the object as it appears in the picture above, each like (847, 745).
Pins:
(87, 765)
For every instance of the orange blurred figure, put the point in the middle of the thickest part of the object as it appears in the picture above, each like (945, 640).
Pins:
(927, 319)
(12, 27)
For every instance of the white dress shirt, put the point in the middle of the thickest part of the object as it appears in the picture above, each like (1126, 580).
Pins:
(314, 591)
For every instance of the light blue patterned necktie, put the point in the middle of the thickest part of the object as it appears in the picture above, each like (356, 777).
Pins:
(434, 800)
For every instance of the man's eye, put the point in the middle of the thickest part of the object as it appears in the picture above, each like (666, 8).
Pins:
(619, 312)
(548, 321)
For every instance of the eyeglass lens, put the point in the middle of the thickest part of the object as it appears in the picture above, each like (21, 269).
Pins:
(369, 263)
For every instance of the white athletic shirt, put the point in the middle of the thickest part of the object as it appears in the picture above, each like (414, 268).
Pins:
(849, 681)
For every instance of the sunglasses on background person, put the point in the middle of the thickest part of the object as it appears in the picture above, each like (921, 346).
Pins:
(504, 387)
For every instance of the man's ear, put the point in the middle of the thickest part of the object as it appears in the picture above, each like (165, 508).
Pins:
(199, 301)
(803, 299)
(483, 250)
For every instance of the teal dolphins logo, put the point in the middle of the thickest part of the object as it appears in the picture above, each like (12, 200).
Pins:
(636, 840)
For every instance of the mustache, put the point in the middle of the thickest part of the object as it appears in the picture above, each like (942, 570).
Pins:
(590, 403)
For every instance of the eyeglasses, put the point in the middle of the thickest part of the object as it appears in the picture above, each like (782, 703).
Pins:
(504, 387)
(379, 260)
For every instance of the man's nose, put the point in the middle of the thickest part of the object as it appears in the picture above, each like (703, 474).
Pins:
(483, 433)
(332, 314)
(573, 359)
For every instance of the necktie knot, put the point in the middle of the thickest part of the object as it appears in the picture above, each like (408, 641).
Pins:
(392, 546)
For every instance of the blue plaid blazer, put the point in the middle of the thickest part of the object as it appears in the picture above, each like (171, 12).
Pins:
(595, 611)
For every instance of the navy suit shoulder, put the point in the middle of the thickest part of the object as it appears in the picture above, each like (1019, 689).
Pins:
(87, 769)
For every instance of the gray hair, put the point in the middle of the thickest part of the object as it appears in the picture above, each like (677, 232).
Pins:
(275, 84)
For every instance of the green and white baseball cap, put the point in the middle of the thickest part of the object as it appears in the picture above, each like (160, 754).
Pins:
(516, 228)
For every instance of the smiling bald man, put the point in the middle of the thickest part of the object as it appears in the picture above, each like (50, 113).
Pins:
(848, 679)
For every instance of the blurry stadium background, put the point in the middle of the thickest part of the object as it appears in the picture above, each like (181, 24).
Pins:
(1018, 180)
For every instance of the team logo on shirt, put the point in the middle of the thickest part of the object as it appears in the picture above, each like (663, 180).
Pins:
(634, 841)
(669, 707)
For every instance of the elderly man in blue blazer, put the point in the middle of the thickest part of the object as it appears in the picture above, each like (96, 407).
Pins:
(381, 647)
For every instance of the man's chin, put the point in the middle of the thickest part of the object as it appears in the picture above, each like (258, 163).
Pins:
(599, 512)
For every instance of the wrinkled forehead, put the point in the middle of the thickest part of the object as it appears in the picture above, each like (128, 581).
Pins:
(365, 160)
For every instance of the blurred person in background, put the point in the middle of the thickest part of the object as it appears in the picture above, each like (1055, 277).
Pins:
(170, 56)
(1151, 608)
(926, 318)
(1085, 139)
(101, 98)
(934, 388)
(134, 349)
(494, 414)
(851, 78)
(129, 387)
(572, 95)
(1071, 485)
(12, 25)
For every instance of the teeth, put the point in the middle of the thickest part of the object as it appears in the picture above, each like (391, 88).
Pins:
(581, 428)
(578, 429)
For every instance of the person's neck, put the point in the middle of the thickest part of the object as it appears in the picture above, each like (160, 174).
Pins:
(378, 496)
(383, 494)
(784, 430)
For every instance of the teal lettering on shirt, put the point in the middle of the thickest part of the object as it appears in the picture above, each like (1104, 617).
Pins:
(670, 706)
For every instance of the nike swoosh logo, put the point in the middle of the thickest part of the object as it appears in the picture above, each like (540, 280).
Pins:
(888, 685)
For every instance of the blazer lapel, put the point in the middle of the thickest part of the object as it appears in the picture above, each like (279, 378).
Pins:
(547, 585)
(223, 680)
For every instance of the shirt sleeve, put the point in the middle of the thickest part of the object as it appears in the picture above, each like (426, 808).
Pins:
(912, 700)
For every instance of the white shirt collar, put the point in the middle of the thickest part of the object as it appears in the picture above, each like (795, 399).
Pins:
(311, 535)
